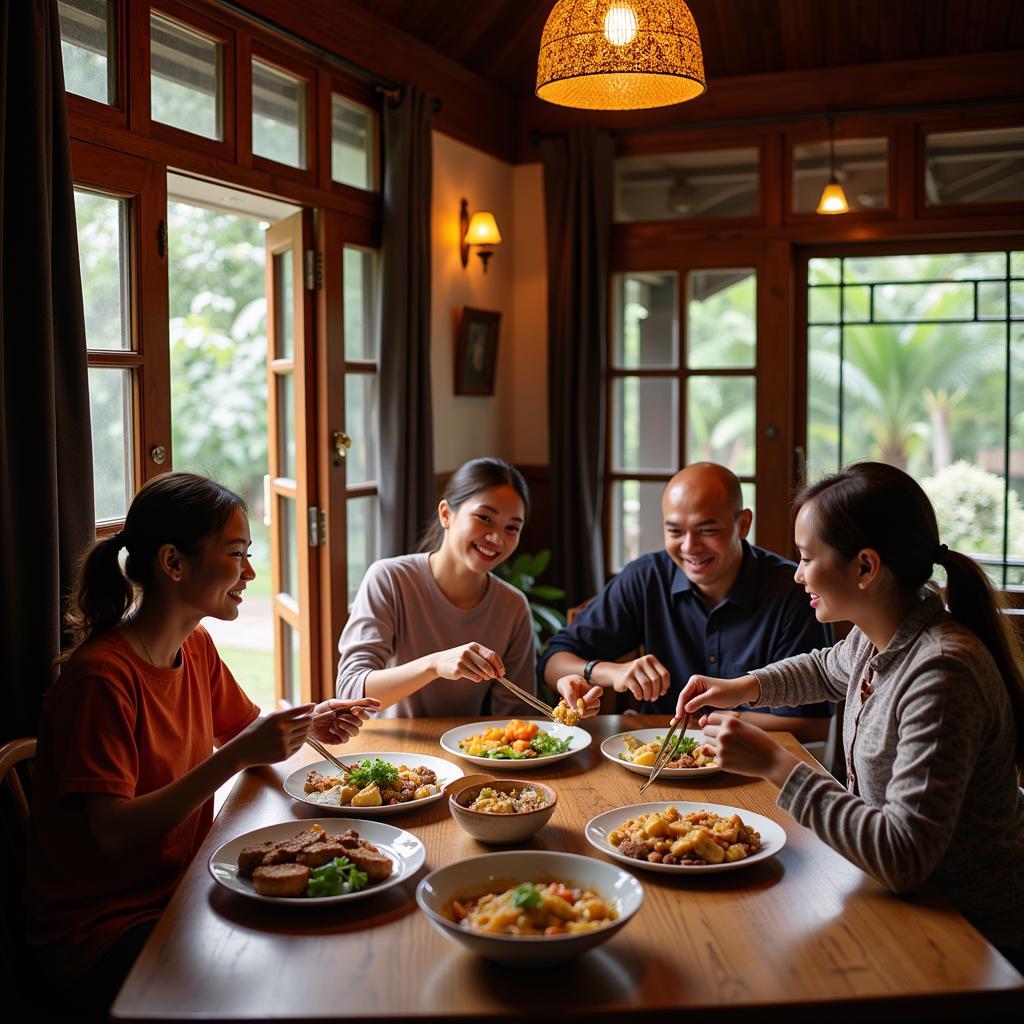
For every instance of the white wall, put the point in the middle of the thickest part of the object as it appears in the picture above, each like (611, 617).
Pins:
(512, 423)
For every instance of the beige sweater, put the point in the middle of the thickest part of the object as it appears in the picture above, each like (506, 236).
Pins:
(400, 614)
(934, 794)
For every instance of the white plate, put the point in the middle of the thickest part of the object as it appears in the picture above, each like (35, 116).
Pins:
(446, 772)
(407, 852)
(615, 745)
(579, 738)
(773, 835)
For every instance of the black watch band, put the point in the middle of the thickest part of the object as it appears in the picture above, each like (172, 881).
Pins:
(588, 668)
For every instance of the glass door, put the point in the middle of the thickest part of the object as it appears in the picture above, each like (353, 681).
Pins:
(295, 521)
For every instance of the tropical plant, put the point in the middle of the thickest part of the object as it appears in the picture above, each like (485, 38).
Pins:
(522, 573)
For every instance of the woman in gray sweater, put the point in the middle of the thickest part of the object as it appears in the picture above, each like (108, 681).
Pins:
(934, 723)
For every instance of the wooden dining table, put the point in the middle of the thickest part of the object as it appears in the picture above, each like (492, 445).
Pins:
(802, 936)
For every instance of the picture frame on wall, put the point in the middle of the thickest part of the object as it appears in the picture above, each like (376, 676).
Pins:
(476, 352)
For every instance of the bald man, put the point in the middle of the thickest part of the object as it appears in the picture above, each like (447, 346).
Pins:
(708, 604)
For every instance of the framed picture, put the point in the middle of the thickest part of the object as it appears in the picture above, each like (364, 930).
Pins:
(476, 352)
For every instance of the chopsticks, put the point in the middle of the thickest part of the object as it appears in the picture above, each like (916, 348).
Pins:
(325, 753)
(528, 698)
(667, 749)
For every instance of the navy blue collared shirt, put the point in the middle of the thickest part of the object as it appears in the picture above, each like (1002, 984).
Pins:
(765, 617)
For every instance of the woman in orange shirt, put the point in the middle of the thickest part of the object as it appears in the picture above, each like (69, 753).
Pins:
(126, 765)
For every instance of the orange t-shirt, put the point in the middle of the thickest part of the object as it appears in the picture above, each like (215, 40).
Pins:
(114, 724)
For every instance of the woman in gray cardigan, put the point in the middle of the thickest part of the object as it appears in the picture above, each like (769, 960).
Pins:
(934, 723)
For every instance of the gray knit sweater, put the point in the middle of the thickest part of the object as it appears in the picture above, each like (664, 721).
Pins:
(934, 793)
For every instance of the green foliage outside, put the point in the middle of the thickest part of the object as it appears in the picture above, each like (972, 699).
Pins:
(254, 671)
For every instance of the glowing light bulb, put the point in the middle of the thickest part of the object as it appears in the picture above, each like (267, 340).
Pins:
(620, 25)
(833, 199)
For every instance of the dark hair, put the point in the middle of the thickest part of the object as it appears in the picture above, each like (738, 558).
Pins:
(469, 479)
(182, 509)
(872, 505)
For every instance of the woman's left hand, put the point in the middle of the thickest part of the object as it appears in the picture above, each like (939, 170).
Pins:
(341, 719)
(745, 749)
(574, 688)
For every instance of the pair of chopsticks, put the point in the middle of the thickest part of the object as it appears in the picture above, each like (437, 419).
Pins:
(325, 753)
(667, 749)
(528, 698)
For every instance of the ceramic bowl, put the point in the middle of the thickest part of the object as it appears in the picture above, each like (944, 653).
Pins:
(499, 829)
(495, 872)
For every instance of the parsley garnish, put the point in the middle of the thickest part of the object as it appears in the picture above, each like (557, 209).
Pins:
(374, 771)
(526, 895)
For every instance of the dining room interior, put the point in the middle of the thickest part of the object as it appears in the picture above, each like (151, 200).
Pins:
(326, 253)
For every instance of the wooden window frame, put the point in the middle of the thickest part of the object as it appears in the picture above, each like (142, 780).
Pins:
(216, 32)
(256, 50)
(115, 114)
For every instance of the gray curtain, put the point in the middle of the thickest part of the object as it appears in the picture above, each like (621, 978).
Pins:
(407, 488)
(578, 202)
(46, 496)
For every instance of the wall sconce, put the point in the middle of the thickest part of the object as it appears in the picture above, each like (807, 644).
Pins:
(481, 230)
(833, 198)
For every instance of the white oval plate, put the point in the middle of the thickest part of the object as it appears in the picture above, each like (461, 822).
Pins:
(446, 772)
(773, 835)
(615, 745)
(407, 852)
(580, 739)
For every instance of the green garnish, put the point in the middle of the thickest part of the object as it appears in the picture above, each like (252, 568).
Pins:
(546, 745)
(335, 878)
(526, 895)
(681, 744)
(373, 771)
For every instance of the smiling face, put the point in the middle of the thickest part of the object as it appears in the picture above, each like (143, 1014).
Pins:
(484, 530)
(214, 578)
(704, 528)
(829, 580)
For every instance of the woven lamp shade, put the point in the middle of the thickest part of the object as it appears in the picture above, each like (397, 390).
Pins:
(654, 60)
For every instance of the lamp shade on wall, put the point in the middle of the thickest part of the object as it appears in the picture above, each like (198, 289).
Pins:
(620, 55)
(483, 229)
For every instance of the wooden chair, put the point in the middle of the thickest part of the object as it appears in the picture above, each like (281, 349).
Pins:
(17, 971)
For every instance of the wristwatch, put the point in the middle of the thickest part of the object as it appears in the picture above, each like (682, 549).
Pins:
(588, 668)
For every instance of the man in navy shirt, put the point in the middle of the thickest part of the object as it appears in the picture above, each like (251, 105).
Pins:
(708, 604)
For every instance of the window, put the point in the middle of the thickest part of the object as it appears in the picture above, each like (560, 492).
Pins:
(667, 410)
(362, 505)
(679, 186)
(353, 143)
(186, 78)
(974, 167)
(278, 115)
(918, 361)
(862, 168)
(104, 257)
(87, 46)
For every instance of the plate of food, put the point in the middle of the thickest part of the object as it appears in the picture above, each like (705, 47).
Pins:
(519, 744)
(313, 865)
(379, 784)
(637, 751)
(685, 838)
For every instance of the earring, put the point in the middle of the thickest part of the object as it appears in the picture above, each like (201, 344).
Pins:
(860, 586)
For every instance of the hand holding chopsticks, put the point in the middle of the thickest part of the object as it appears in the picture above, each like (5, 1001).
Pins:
(528, 698)
(668, 747)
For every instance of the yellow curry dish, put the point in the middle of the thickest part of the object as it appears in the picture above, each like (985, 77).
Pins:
(700, 837)
(535, 909)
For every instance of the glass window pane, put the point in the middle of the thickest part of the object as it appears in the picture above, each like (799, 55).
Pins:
(110, 406)
(674, 186)
(861, 166)
(185, 78)
(87, 47)
(721, 319)
(646, 321)
(291, 681)
(353, 143)
(974, 167)
(284, 306)
(720, 422)
(278, 115)
(750, 501)
(103, 255)
(286, 524)
(361, 426)
(285, 383)
(362, 544)
(645, 424)
(822, 402)
(924, 267)
(636, 520)
(360, 296)
(1015, 546)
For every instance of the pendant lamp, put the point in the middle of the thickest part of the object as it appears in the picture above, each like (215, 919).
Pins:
(833, 198)
(620, 55)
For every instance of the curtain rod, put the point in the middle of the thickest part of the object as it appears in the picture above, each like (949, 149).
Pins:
(537, 136)
(392, 90)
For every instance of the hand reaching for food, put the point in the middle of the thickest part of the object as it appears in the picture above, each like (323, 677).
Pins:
(470, 661)
(579, 699)
(337, 721)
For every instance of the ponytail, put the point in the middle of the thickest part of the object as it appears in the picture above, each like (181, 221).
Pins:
(101, 596)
